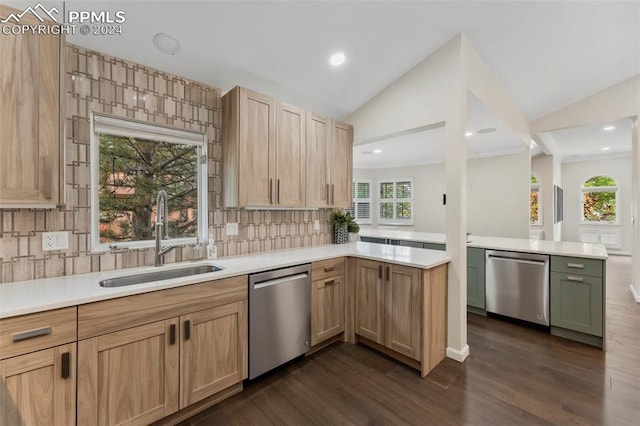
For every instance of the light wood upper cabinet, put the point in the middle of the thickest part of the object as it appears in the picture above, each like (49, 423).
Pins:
(30, 165)
(329, 162)
(263, 151)
(129, 376)
(39, 388)
(213, 351)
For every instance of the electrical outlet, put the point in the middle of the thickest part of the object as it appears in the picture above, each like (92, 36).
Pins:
(55, 241)
(232, 229)
(316, 225)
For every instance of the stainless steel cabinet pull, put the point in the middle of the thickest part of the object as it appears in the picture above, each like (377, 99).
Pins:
(328, 194)
(577, 279)
(31, 334)
(187, 330)
(172, 334)
(270, 191)
(388, 273)
(575, 265)
(380, 271)
(330, 282)
(278, 192)
(333, 200)
(329, 269)
(66, 365)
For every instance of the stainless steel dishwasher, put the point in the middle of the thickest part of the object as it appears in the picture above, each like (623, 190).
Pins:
(279, 317)
(517, 285)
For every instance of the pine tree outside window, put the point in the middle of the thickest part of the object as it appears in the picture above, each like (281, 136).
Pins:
(600, 200)
(131, 162)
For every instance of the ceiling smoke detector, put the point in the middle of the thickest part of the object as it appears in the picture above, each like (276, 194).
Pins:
(167, 44)
(487, 130)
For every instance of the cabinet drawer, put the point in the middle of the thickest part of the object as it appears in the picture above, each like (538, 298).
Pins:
(327, 268)
(29, 333)
(576, 265)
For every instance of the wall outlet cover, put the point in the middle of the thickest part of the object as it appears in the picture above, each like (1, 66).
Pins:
(55, 241)
(232, 229)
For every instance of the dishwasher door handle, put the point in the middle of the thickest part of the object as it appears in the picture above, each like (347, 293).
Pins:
(282, 280)
(511, 259)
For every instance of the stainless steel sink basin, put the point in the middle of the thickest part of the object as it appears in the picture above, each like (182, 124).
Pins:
(158, 276)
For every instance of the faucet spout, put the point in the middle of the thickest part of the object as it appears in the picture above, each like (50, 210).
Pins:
(162, 227)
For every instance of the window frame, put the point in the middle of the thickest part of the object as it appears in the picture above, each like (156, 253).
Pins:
(615, 189)
(395, 200)
(125, 127)
(537, 187)
(355, 200)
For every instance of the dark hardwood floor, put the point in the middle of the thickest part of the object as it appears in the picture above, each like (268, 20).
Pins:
(514, 376)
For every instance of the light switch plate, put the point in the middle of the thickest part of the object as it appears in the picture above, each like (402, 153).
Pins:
(232, 229)
(316, 225)
(55, 241)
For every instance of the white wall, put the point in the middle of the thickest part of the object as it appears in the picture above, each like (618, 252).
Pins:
(503, 180)
(574, 174)
(542, 167)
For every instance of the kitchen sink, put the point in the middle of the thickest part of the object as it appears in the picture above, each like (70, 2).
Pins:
(158, 276)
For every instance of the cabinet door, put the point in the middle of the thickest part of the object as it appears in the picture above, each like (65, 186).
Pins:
(256, 152)
(341, 164)
(402, 331)
(214, 351)
(317, 181)
(129, 377)
(29, 116)
(369, 300)
(40, 387)
(327, 308)
(475, 277)
(576, 302)
(290, 158)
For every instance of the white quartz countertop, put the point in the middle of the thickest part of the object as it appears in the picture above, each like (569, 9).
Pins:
(25, 297)
(560, 248)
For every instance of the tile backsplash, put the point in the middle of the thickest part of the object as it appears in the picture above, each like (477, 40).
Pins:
(101, 83)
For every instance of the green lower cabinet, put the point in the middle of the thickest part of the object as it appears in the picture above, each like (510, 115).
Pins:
(435, 246)
(417, 244)
(576, 303)
(373, 240)
(475, 277)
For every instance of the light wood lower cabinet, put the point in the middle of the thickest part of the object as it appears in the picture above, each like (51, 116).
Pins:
(213, 351)
(327, 308)
(39, 388)
(129, 377)
(401, 310)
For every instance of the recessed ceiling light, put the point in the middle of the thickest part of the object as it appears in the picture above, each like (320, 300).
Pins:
(337, 59)
(487, 130)
(167, 43)
(377, 151)
(608, 128)
(468, 134)
(606, 148)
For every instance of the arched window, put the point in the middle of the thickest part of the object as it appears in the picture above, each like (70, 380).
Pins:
(535, 202)
(600, 200)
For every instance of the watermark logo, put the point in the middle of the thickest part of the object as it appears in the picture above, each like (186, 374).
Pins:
(85, 22)
(39, 11)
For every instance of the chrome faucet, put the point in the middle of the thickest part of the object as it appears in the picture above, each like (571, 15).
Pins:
(162, 226)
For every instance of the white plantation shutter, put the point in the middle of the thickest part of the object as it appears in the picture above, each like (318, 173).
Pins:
(361, 207)
(396, 201)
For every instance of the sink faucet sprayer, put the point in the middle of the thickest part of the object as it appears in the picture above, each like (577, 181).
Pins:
(162, 226)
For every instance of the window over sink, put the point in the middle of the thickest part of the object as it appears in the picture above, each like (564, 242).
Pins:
(131, 161)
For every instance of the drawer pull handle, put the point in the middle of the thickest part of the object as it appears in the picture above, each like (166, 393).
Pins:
(575, 265)
(379, 272)
(172, 334)
(17, 337)
(330, 282)
(576, 279)
(187, 330)
(66, 365)
(388, 273)
(329, 269)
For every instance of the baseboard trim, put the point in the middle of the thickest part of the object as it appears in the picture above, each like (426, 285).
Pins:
(457, 355)
(635, 294)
